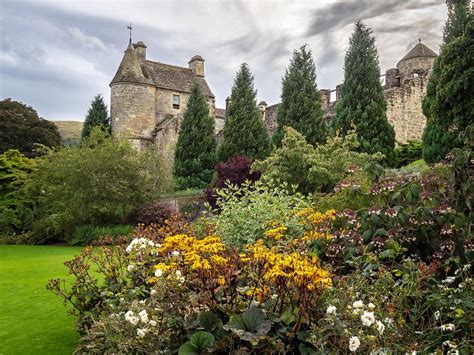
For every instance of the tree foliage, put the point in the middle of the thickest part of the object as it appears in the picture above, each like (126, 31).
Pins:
(362, 104)
(21, 128)
(97, 116)
(244, 131)
(195, 155)
(15, 169)
(99, 182)
(449, 101)
(314, 169)
(301, 106)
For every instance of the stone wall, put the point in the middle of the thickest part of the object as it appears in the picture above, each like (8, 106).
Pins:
(133, 112)
(404, 110)
(408, 66)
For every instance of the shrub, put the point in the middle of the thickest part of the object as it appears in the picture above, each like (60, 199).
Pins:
(153, 213)
(246, 212)
(16, 213)
(98, 183)
(235, 171)
(156, 296)
(89, 234)
(315, 169)
(407, 153)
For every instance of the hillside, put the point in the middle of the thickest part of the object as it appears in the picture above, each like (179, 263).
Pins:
(70, 131)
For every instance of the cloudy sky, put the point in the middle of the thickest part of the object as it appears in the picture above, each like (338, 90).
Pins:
(57, 55)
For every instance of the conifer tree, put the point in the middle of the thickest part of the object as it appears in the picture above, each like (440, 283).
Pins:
(301, 106)
(449, 101)
(96, 117)
(362, 102)
(244, 131)
(195, 155)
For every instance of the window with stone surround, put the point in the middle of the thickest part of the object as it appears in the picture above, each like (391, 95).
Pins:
(175, 101)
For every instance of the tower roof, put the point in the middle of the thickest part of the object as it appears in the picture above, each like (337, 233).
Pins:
(129, 69)
(420, 50)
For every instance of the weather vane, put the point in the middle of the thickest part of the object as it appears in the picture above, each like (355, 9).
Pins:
(129, 27)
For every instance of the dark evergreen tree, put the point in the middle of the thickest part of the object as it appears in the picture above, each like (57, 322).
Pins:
(195, 155)
(21, 128)
(449, 101)
(244, 131)
(301, 106)
(362, 105)
(96, 117)
(458, 19)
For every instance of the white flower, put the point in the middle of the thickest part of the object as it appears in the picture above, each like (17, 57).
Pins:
(152, 323)
(128, 315)
(152, 292)
(141, 332)
(133, 320)
(180, 277)
(354, 343)
(449, 326)
(175, 253)
(130, 267)
(371, 305)
(331, 310)
(150, 243)
(129, 248)
(367, 318)
(158, 272)
(143, 316)
(436, 315)
(380, 326)
(358, 304)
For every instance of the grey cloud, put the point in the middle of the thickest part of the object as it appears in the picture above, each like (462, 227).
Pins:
(341, 14)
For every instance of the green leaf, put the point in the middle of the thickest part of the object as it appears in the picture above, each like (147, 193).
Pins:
(415, 190)
(187, 349)
(287, 316)
(209, 320)
(202, 340)
(380, 232)
(253, 318)
(367, 235)
(236, 322)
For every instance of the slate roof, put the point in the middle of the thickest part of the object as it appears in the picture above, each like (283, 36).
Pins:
(129, 69)
(420, 50)
(161, 75)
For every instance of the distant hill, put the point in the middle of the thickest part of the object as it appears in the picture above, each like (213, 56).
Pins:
(70, 131)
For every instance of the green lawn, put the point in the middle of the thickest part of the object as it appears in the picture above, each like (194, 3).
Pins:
(32, 319)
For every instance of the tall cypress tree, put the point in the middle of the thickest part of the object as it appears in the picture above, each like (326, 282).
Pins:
(195, 155)
(244, 131)
(362, 102)
(301, 106)
(449, 102)
(96, 117)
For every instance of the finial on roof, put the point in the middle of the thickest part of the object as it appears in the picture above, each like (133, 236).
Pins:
(419, 40)
(129, 27)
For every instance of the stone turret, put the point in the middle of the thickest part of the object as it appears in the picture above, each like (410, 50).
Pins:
(325, 98)
(196, 64)
(132, 101)
(419, 58)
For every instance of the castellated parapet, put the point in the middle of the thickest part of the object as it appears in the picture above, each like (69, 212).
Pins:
(405, 87)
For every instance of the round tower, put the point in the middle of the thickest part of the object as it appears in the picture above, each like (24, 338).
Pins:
(420, 57)
(132, 102)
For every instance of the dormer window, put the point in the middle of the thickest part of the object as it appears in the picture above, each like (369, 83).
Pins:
(176, 101)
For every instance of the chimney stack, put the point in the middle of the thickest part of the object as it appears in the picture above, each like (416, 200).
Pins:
(196, 64)
(140, 50)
